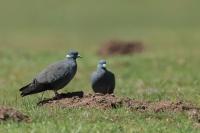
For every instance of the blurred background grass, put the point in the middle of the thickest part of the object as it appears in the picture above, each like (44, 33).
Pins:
(28, 23)
(36, 33)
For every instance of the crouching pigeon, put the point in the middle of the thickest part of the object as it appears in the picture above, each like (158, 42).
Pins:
(102, 80)
(54, 77)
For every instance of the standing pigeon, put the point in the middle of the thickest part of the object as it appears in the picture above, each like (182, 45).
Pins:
(54, 77)
(103, 81)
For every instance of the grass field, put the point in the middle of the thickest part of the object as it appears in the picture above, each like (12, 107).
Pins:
(36, 33)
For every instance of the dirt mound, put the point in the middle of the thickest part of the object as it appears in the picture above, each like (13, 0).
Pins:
(116, 47)
(79, 100)
(12, 114)
(73, 100)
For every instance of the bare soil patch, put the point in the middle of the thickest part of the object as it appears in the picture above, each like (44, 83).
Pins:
(79, 100)
(7, 113)
(117, 47)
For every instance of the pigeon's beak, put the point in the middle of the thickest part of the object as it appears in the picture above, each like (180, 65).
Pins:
(79, 56)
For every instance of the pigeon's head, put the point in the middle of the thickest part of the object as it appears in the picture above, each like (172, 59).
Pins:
(73, 55)
(102, 64)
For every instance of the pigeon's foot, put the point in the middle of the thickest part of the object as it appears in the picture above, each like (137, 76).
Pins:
(99, 94)
(78, 94)
(102, 94)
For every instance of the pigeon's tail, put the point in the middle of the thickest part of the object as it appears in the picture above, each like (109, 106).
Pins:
(30, 89)
(23, 88)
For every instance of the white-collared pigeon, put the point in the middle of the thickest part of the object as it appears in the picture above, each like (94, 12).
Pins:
(54, 77)
(102, 80)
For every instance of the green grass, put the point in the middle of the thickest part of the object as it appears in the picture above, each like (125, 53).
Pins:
(36, 33)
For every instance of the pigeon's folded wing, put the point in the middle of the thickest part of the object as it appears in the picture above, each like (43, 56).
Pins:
(53, 73)
(112, 76)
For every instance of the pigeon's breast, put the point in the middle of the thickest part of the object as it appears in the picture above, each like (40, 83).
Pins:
(97, 78)
(103, 81)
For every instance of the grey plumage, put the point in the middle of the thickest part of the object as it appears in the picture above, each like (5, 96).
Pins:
(54, 77)
(103, 80)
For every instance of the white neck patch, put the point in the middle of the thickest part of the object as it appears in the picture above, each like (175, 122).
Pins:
(104, 65)
(68, 56)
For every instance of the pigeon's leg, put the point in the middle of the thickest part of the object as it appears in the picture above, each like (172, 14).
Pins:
(42, 96)
(56, 93)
